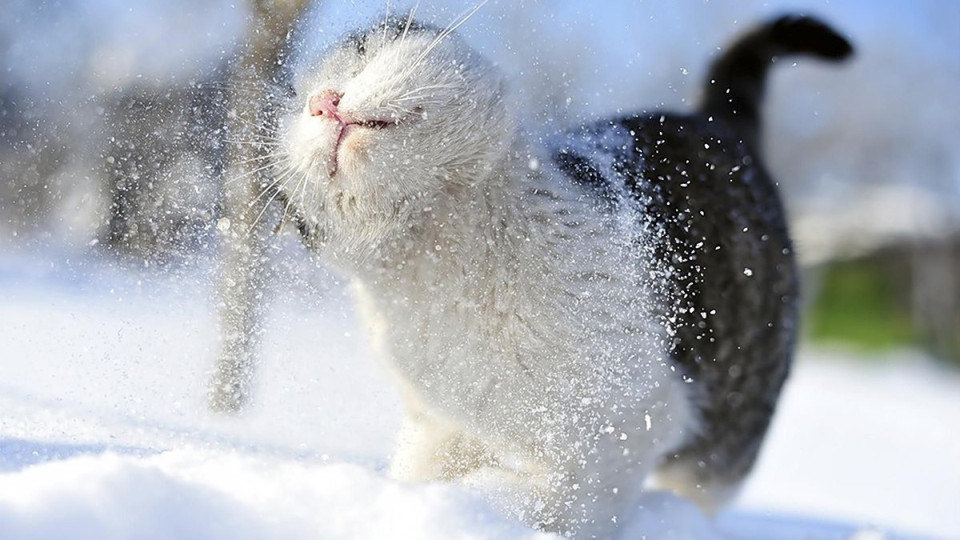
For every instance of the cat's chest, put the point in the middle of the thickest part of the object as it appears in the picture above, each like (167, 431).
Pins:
(467, 353)
(445, 320)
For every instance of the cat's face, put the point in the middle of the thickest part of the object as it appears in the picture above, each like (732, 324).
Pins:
(391, 119)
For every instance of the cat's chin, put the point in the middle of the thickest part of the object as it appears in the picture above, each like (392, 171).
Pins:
(350, 157)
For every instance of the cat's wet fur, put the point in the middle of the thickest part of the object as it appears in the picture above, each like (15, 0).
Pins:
(568, 315)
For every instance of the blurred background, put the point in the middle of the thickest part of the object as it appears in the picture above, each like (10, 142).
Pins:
(113, 157)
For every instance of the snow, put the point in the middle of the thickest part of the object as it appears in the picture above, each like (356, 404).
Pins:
(229, 495)
(104, 431)
(868, 441)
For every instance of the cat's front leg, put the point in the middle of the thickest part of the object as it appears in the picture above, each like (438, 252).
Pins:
(431, 447)
(598, 467)
(591, 495)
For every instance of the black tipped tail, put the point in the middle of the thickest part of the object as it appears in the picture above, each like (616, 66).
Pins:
(800, 34)
(735, 85)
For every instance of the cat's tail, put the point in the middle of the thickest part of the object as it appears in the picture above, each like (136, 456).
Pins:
(735, 85)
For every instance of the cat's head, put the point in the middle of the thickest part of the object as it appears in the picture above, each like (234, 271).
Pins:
(388, 121)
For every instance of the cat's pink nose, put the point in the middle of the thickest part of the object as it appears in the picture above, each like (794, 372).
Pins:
(325, 104)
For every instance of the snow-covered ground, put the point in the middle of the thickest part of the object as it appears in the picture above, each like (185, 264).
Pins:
(104, 431)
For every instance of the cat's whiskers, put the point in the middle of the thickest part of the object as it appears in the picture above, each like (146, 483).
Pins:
(316, 189)
(456, 23)
(386, 20)
(255, 143)
(261, 127)
(249, 173)
(275, 156)
(282, 180)
(407, 95)
(297, 191)
(278, 182)
(452, 27)
(303, 191)
(406, 28)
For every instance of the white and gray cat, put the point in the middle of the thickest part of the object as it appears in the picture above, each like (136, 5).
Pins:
(570, 314)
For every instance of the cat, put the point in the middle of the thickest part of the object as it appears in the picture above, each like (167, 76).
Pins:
(570, 314)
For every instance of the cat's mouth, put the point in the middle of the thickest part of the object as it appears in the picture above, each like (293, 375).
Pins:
(350, 125)
(326, 105)
(346, 128)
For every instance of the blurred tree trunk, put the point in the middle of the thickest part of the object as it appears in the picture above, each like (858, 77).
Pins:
(241, 283)
(936, 295)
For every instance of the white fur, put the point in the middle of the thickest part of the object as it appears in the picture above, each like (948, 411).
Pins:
(517, 318)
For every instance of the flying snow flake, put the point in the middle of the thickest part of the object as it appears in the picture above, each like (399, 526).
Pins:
(747, 272)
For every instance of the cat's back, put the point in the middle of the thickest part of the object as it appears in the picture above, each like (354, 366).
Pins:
(716, 238)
